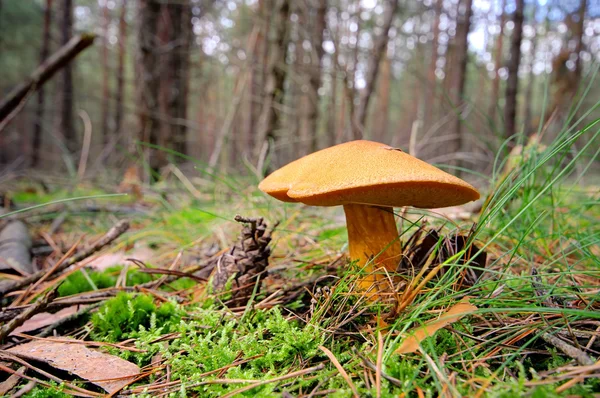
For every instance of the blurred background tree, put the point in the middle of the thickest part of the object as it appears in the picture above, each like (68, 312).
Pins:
(244, 84)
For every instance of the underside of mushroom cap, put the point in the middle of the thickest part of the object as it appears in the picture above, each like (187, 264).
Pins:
(369, 173)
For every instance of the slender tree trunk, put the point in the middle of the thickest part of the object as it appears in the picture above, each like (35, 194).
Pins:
(275, 79)
(148, 79)
(105, 131)
(458, 79)
(380, 45)
(579, 34)
(39, 117)
(331, 113)
(530, 85)
(120, 94)
(429, 115)
(65, 125)
(498, 57)
(179, 38)
(380, 123)
(298, 122)
(315, 72)
(512, 83)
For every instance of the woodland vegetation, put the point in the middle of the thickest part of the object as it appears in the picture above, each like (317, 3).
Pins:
(134, 134)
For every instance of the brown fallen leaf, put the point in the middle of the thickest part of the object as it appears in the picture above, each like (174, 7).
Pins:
(44, 319)
(417, 335)
(108, 372)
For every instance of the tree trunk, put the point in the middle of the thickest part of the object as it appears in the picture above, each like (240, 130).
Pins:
(459, 72)
(119, 95)
(275, 79)
(512, 83)
(315, 72)
(39, 117)
(579, 37)
(331, 110)
(380, 123)
(379, 48)
(149, 79)
(65, 125)
(530, 85)
(498, 57)
(105, 131)
(430, 106)
(179, 38)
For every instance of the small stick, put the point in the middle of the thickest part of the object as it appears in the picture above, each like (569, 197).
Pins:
(581, 357)
(17, 321)
(373, 367)
(285, 377)
(117, 230)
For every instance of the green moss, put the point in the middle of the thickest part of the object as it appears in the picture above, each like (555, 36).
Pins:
(124, 315)
(54, 391)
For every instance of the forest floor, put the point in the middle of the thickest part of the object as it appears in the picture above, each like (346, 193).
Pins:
(511, 310)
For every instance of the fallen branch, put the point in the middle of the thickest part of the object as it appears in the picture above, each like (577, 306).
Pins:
(44, 72)
(581, 357)
(116, 231)
(17, 321)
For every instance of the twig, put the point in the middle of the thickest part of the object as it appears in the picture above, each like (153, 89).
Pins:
(117, 230)
(85, 147)
(25, 389)
(581, 357)
(17, 321)
(263, 382)
(340, 369)
(373, 367)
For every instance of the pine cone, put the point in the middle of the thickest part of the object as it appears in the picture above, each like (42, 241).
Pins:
(244, 264)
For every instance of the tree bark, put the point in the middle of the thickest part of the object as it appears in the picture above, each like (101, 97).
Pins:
(380, 46)
(105, 131)
(65, 124)
(275, 80)
(149, 79)
(332, 111)
(498, 57)
(579, 34)
(39, 114)
(315, 72)
(530, 85)
(429, 112)
(120, 92)
(459, 72)
(380, 123)
(179, 38)
(512, 83)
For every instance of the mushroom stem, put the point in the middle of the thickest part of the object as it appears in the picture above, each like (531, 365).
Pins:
(372, 233)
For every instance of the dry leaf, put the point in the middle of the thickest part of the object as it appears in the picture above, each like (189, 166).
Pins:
(44, 319)
(109, 372)
(417, 335)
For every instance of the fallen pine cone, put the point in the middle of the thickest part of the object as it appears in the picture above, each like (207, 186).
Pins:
(244, 264)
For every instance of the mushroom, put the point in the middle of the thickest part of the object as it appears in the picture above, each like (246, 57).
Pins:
(368, 179)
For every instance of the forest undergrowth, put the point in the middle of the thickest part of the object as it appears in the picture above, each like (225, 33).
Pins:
(525, 264)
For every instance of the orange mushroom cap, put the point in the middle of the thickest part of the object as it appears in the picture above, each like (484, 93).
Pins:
(366, 172)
